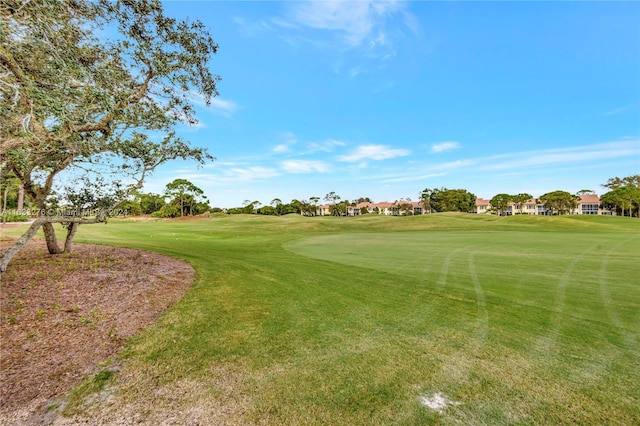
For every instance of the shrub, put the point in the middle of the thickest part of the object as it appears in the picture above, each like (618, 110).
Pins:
(168, 210)
(13, 217)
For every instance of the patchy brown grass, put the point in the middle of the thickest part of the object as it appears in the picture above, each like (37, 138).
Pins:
(67, 316)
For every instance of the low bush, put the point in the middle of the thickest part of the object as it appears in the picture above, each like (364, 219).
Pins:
(13, 217)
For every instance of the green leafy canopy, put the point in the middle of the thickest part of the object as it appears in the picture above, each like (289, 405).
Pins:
(72, 98)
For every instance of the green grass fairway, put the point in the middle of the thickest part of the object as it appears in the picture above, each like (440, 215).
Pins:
(362, 321)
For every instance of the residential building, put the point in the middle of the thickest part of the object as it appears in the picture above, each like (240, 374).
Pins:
(482, 206)
(384, 208)
(590, 204)
(587, 204)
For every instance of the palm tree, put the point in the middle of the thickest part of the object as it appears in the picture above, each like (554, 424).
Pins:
(276, 203)
(332, 198)
(315, 200)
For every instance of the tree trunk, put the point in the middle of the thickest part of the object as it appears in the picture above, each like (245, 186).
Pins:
(21, 197)
(50, 238)
(47, 225)
(68, 243)
(18, 245)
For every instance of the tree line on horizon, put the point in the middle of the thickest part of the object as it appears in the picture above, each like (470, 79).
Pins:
(183, 198)
(623, 197)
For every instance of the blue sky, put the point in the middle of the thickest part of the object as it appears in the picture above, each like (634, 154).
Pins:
(383, 99)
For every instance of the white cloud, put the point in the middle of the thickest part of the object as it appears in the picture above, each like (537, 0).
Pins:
(304, 166)
(526, 161)
(355, 71)
(223, 107)
(220, 106)
(290, 137)
(571, 155)
(374, 152)
(444, 146)
(354, 20)
(324, 146)
(412, 178)
(355, 24)
(619, 110)
(289, 140)
(251, 173)
(250, 28)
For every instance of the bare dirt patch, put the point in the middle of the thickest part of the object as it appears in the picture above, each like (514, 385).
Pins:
(67, 316)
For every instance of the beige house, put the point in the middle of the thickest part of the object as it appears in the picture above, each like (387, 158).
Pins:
(587, 204)
(590, 204)
(323, 210)
(384, 208)
(482, 206)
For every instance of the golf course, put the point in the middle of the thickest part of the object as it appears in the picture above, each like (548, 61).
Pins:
(434, 319)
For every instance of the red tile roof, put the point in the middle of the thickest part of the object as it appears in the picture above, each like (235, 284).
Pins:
(589, 199)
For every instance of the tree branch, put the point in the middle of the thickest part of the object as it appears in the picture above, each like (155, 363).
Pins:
(103, 124)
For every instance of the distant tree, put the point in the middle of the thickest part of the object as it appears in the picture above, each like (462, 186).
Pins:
(131, 204)
(200, 207)
(276, 203)
(426, 197)
(168, 210)
(559, 202)
(131, 207)
(9, 188)
(403, 207)
(268, 211)
(362, 200)
(500, 202)
(452, 200)
(248, 207)
(332, 198)
(251, 207)
(235, 210)
(339, 209)
(585, 192)
(520, 199)
(307, 208)
(616, 182)
(184, 193)
(624, 198)
(150, 202)
(348, 205)
(295, 206)
(623, 195)
(314, 200)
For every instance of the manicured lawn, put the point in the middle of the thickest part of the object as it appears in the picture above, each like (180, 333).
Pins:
(519, 320)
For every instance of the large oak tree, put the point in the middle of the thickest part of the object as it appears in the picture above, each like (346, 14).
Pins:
(96, 85)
